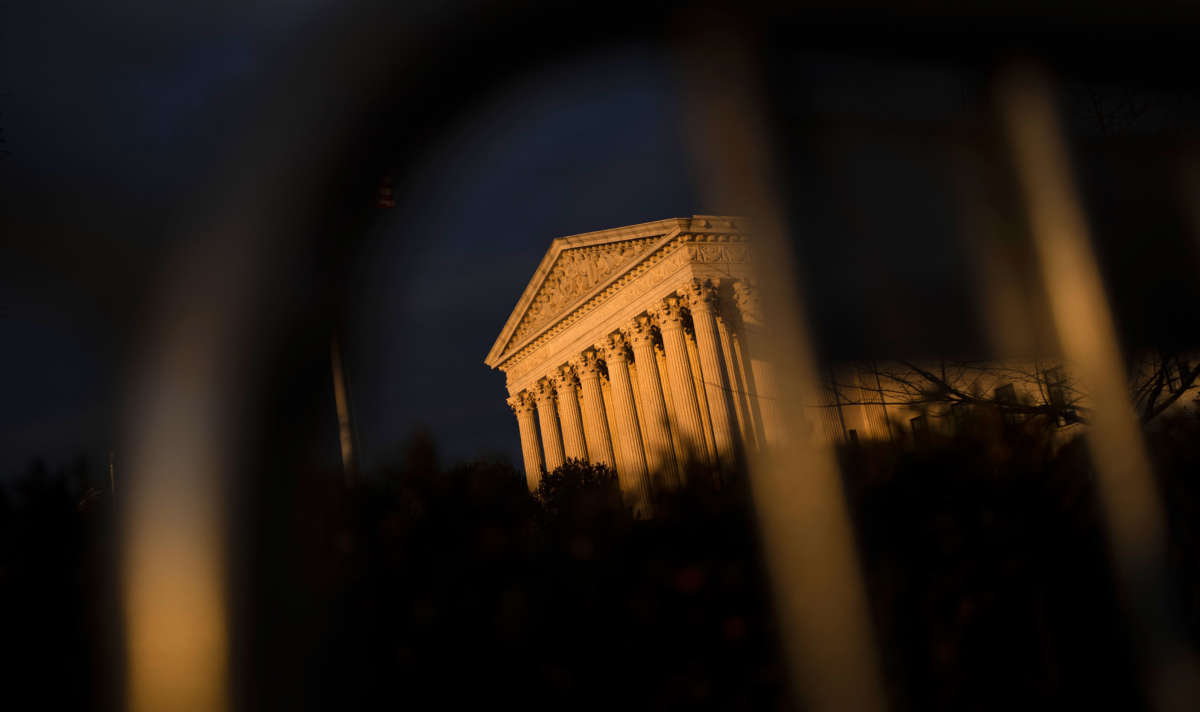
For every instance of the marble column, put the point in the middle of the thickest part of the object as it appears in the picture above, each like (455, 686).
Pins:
(677, 443)
(548, 418)
(670, 315)
(660, 452)
(689, 335)
(761, 371)
(574, 442)
(702, 298)
(631, 470)
(595, 422)
(737, 391)
(531, 449)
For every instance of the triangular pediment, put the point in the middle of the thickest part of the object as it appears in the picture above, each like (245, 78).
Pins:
(573, 269)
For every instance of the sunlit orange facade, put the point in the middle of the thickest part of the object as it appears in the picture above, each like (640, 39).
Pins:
(640, 348)
(634, 347)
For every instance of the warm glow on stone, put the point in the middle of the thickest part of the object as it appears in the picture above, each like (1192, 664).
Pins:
(601, 304)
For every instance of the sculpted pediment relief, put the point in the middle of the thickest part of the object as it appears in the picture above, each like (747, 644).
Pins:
(575, 273)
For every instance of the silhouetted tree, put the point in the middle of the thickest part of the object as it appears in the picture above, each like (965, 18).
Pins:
(984, 557)
(1159, 378)
(1156, 381)
(579, 488)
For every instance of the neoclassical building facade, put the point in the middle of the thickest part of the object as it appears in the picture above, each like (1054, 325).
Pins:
(641, 348)
(635, 347)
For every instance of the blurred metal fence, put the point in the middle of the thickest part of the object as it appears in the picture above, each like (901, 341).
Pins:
(197, 393)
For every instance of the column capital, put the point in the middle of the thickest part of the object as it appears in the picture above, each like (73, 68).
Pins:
(643, 330)
(749, 306)
(545, 389)
(701, 294)
(587, 364)
(614, 346)
(521, 402)
(564, 377)
(671, 313)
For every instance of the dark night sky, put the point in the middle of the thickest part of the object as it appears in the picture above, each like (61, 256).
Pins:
(116, 117)
(112, 117)
(579, 147)
(113, 113)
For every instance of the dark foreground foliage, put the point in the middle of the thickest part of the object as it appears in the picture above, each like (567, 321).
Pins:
(984, 556)
(459, 588)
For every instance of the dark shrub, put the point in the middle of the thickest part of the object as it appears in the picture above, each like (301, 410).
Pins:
(580, 492)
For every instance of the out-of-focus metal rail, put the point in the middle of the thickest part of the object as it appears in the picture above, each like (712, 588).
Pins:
(1088, 338)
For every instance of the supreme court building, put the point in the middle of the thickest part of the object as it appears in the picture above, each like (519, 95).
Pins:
(641, 348)
(635, 347)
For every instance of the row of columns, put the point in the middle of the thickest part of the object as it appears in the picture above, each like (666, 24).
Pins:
(659, 428)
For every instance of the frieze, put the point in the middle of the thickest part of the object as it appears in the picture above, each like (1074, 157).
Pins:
(715, 253)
